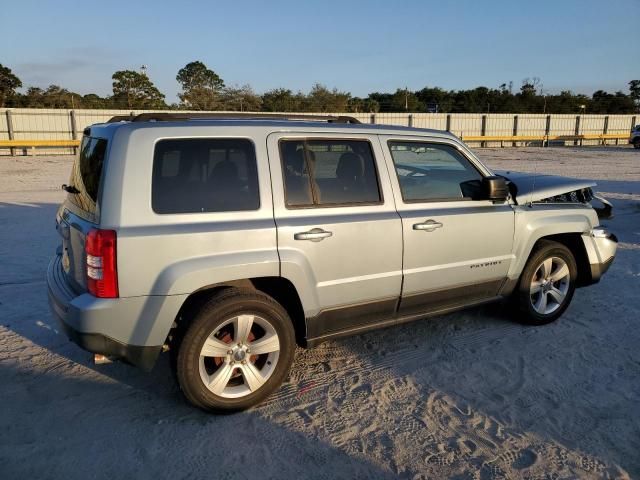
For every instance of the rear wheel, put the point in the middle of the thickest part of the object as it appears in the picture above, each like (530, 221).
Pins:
(636, 143)
(547, 284)
(238, 350)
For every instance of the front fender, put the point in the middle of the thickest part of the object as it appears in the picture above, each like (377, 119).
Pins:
(539, 221)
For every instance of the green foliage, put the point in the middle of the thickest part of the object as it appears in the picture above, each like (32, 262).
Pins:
(242, 99)
(8, 84)
(321, 99)
(363, 105)
(134, 90)
(282, 100)
(202, 89)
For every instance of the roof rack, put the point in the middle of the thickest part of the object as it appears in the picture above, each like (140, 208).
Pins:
(178, 116)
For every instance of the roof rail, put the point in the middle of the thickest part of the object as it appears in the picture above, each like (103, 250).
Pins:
(178, 116)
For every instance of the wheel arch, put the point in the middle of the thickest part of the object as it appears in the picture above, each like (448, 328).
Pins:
(280, 289)
(573, 241)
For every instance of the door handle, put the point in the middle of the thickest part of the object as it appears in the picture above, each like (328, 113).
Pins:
(428, 226)
(315, 235)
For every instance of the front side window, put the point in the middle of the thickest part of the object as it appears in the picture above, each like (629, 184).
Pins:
(204, 175)
(432, 171)
(329, 172)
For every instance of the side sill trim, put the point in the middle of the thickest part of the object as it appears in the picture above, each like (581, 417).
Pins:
(312, 342)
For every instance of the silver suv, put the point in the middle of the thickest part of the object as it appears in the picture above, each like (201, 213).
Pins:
(229, 241)
(634, 138)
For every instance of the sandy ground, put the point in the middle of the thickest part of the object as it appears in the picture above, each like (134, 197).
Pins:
(466, 395)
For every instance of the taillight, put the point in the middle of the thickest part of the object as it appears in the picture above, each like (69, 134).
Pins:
(102, 272)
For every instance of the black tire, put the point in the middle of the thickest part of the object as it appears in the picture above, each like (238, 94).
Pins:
(228, 304)
(523, 298)
(636, 144)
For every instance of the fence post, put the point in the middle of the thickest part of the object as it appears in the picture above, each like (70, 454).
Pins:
(448, 122)
(10, 131)
(515, 129)
(605, 129)
(577, 130)
(74, 129)
(410, 120)
(547, 129)
(483, 130)
(373, 118)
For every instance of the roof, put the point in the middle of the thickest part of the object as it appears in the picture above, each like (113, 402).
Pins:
(275, 125)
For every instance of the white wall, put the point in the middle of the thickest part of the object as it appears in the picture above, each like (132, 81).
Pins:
(47, 124)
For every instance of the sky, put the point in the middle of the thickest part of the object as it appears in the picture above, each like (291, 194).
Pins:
(355, 46)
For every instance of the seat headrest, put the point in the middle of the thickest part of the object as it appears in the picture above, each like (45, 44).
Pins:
(294, 159)
(224, 171)
(350, 166)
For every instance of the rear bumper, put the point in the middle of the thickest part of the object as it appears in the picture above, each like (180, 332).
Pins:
(84, 319)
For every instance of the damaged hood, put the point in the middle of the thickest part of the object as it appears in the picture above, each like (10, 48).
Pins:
(536, 187)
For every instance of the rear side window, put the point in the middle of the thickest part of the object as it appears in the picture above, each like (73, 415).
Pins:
(204, 175)
(87, 172)
(329, 172)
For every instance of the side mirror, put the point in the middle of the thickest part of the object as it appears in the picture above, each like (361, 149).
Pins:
(495, 188)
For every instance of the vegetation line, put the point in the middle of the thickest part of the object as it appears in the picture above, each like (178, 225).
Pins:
(203, 89)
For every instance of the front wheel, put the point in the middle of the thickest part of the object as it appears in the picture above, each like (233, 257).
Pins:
(547, 284)
(238, 350)
(636, 144)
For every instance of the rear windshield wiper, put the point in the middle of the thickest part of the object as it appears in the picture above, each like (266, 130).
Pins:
(70, 188)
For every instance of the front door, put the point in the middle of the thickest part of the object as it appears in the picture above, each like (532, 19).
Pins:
(457, 250)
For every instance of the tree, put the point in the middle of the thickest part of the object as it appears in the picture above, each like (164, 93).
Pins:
(405, 101)
(8, 84)
(202, 88)
(242, 99)
(134, 90)
(604, 102)
(91, 100)
(382, 100)
(363, 105)
(321, 99)
(435, 99)
(282, 100)
(634, 89)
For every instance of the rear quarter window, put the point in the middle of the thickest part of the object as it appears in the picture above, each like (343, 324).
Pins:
(86, 173)
(204, 175)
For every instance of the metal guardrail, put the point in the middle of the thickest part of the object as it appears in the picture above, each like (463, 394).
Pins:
(38, 143)
(544, 139)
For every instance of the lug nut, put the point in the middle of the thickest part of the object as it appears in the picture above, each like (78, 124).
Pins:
(229, 352)
(244, 362)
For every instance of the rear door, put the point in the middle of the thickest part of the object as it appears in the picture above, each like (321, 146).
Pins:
(457, 249)
(338, 229)
(80, 210)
